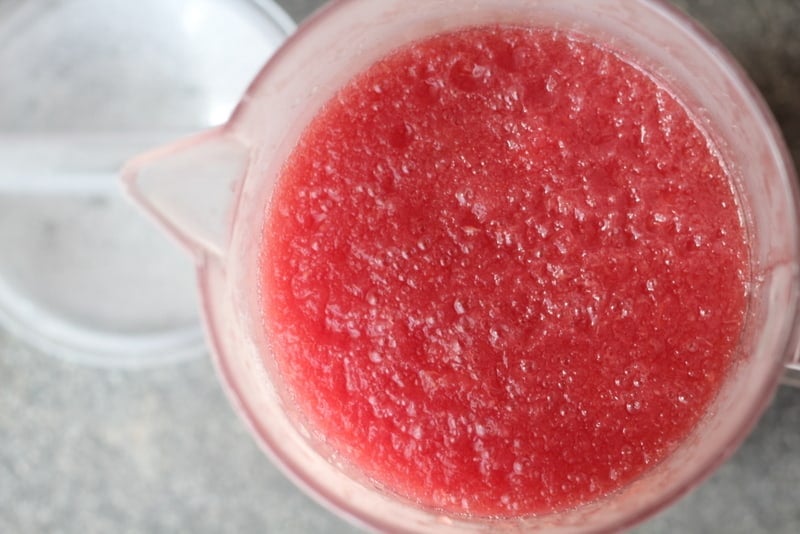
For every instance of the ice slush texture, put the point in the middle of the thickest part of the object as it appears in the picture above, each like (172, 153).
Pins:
(504, 272)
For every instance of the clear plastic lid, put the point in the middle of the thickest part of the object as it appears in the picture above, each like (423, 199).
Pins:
(86, 85)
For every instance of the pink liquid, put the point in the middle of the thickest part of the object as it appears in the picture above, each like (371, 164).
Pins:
(503, 272)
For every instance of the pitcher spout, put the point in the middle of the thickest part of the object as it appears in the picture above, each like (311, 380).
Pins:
(190, 187)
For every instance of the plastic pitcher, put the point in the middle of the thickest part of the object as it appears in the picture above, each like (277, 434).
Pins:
(211, 192)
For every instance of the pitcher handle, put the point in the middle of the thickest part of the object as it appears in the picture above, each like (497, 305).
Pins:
(792, 375)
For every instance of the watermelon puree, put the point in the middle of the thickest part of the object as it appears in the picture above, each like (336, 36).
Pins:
(503, 272)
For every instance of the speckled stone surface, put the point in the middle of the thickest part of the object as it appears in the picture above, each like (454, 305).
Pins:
(91, 451)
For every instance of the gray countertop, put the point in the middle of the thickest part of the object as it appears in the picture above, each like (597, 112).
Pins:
(85, 450)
